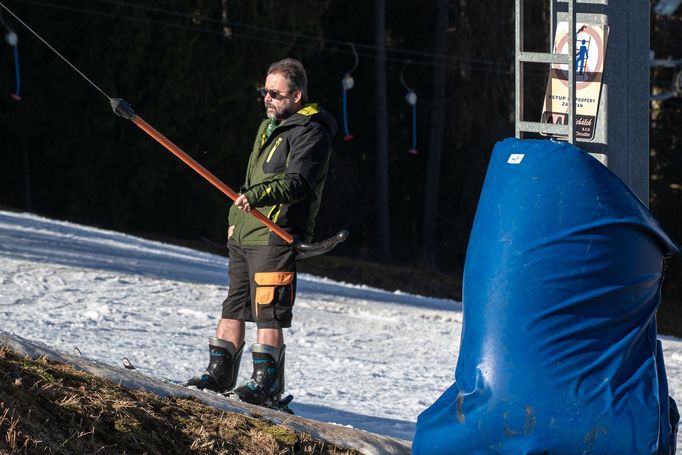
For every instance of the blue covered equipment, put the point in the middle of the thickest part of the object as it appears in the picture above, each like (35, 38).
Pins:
(558, 352)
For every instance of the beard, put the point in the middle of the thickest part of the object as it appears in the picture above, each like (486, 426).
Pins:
(284, 110)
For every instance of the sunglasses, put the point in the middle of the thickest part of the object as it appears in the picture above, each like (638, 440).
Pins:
(273, 94)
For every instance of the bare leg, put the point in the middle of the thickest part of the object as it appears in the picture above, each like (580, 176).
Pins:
(231, 330)
(271, 337)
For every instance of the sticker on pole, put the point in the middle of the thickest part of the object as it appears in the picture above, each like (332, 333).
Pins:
(590, 49)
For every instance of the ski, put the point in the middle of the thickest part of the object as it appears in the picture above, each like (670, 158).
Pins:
(128, 364)
(281, 405)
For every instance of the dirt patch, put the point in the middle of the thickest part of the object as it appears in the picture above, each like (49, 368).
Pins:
(48, 407)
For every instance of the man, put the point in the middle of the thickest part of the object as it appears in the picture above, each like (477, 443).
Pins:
(284, 181)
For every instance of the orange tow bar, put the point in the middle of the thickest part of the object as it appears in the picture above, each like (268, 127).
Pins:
(123, 109)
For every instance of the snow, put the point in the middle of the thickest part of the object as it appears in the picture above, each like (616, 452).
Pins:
(356, 356)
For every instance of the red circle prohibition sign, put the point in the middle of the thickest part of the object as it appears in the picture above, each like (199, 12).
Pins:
(590, 73)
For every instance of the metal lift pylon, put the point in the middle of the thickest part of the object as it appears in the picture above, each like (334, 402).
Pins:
(521, 57)
(621, 130)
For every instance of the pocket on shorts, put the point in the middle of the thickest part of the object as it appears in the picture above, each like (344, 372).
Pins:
(274, 294)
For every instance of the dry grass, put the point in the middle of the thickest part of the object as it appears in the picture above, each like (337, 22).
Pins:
(50, 408)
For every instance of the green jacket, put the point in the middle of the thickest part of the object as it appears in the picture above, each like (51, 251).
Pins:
(285, 177)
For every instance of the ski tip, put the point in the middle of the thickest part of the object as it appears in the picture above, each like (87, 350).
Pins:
(286, 400)
(342, 235)
(283, 404)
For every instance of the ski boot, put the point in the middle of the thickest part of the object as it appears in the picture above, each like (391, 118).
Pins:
(223, 367)
(267, 381)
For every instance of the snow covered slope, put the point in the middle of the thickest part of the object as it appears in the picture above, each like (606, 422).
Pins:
(356, 355)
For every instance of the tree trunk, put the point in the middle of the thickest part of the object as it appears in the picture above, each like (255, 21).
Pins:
(27, 174)
(383, 226)
(430, 232)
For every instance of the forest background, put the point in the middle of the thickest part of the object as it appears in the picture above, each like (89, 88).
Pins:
(191, 69)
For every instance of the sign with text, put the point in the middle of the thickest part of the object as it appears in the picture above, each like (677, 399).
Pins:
(590, 50)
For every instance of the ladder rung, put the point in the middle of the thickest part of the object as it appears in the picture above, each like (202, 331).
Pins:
(548, 128)
(544, 57)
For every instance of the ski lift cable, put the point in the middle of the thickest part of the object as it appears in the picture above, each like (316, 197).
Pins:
(450, 65)
(402, 76)
(54, 50)
(2, 21)
(357, 60)
(193, 28)
(124, 110)
(300, 35)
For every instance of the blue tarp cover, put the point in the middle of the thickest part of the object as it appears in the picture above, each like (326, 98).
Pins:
(562, 279)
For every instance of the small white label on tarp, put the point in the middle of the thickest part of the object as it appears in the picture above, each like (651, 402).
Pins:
(515, 158)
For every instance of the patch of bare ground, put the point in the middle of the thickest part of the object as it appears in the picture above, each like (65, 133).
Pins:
(51, 408)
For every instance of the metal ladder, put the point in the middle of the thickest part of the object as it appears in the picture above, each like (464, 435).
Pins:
(521, 57)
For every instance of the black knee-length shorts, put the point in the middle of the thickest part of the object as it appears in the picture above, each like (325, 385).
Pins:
(262, 285)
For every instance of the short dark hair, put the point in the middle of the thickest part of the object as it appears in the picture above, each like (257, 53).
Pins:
(294, 72)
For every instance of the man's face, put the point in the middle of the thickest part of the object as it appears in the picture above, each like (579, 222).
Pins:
(285, 102)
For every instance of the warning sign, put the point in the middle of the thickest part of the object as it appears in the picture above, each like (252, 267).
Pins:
(590, 49)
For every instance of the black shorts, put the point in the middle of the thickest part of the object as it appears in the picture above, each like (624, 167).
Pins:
(262, 285)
